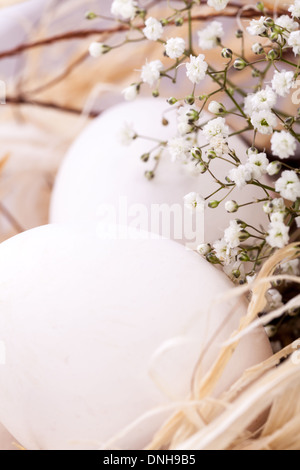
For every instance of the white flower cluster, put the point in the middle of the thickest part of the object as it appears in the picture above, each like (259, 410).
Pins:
(255, 168)
(278, 232)
(125, 9)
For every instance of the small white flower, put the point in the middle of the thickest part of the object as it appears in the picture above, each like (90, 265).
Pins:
(276, 205)
(290, 267)
(286, 22)
(241, 175)
(295, 9)
(232, 234)
(126, 135)
(96, 49)
(151, 72)
(297, 220)
(153, 30)
(183, 125)
(179, 148)
(219, 146)
(264, 121)
(231, 206)
(224, 253)
(283, 144)
(175, 47)
(274, 168)
(278, 235)
(124, 8)
(130, 93)
(216, 128)
(218, 4)
(194, 202)
(257, 48)
(264, 99)
(294, 42)
(277, 217)
(288, 185)
(204, 249)
(258, 163)
(215, 108)
(257, 27)
(274, 298)
(196, 69)
(283, 82)
(208, 37)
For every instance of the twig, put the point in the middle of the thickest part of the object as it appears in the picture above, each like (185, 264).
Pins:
(22, 100)
(11, 218)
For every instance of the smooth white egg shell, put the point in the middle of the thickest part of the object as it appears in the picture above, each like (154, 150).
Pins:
(99, 171)
(82, 317)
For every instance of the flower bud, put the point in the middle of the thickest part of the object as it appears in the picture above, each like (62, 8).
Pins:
(236, 273)
(226, 53)
(190, 99)
(179, 22)
(260, 6)
(288, 122)
(269, 22)
(244, 257)
(244, 235)
(211, 258)
(172, 101)
(145, 157)
(204, 249)
(213, 204)
(202, 167)
(155, 94)
(274, 168)
(242, 223)
(239, 34)
(193, 115)
(216, 108)
(257, 48)
(164, 22)
(272, 54)
(231, 206)
(149, 175)
(90, 15)
(271, 330)
(165, 122)
(196, 153)
(240, 64)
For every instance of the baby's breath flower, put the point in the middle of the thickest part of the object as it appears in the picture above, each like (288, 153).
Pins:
(278, 235)
(264, 121)
(219, 146)
(297, 220)
(126, 9)
(276, 205)
(127, 134)
(294, 42)
(209, 36)
(194, 202)
(241, 175)
(232, 235)
(290, 267)
(283, 82)
(218, 4)
(274, 298)
(175, 47)
(151, 72)
(295, 9)
(288, 185)
(153, 29)
(283, 144)
(258, 163)
(223, 252)
(216, 128)
(196, 69)
(257, 27)
(286, 22)
(179, 148)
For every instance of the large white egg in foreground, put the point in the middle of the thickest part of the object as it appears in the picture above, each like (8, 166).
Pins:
(82, 317)
(101, 178)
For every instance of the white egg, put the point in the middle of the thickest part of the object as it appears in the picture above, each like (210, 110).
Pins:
(101, 178)
(83, 317)
(7, 442)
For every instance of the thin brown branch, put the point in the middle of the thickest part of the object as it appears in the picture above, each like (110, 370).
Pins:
(230, 12)
(22, 100)
(15, 224)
